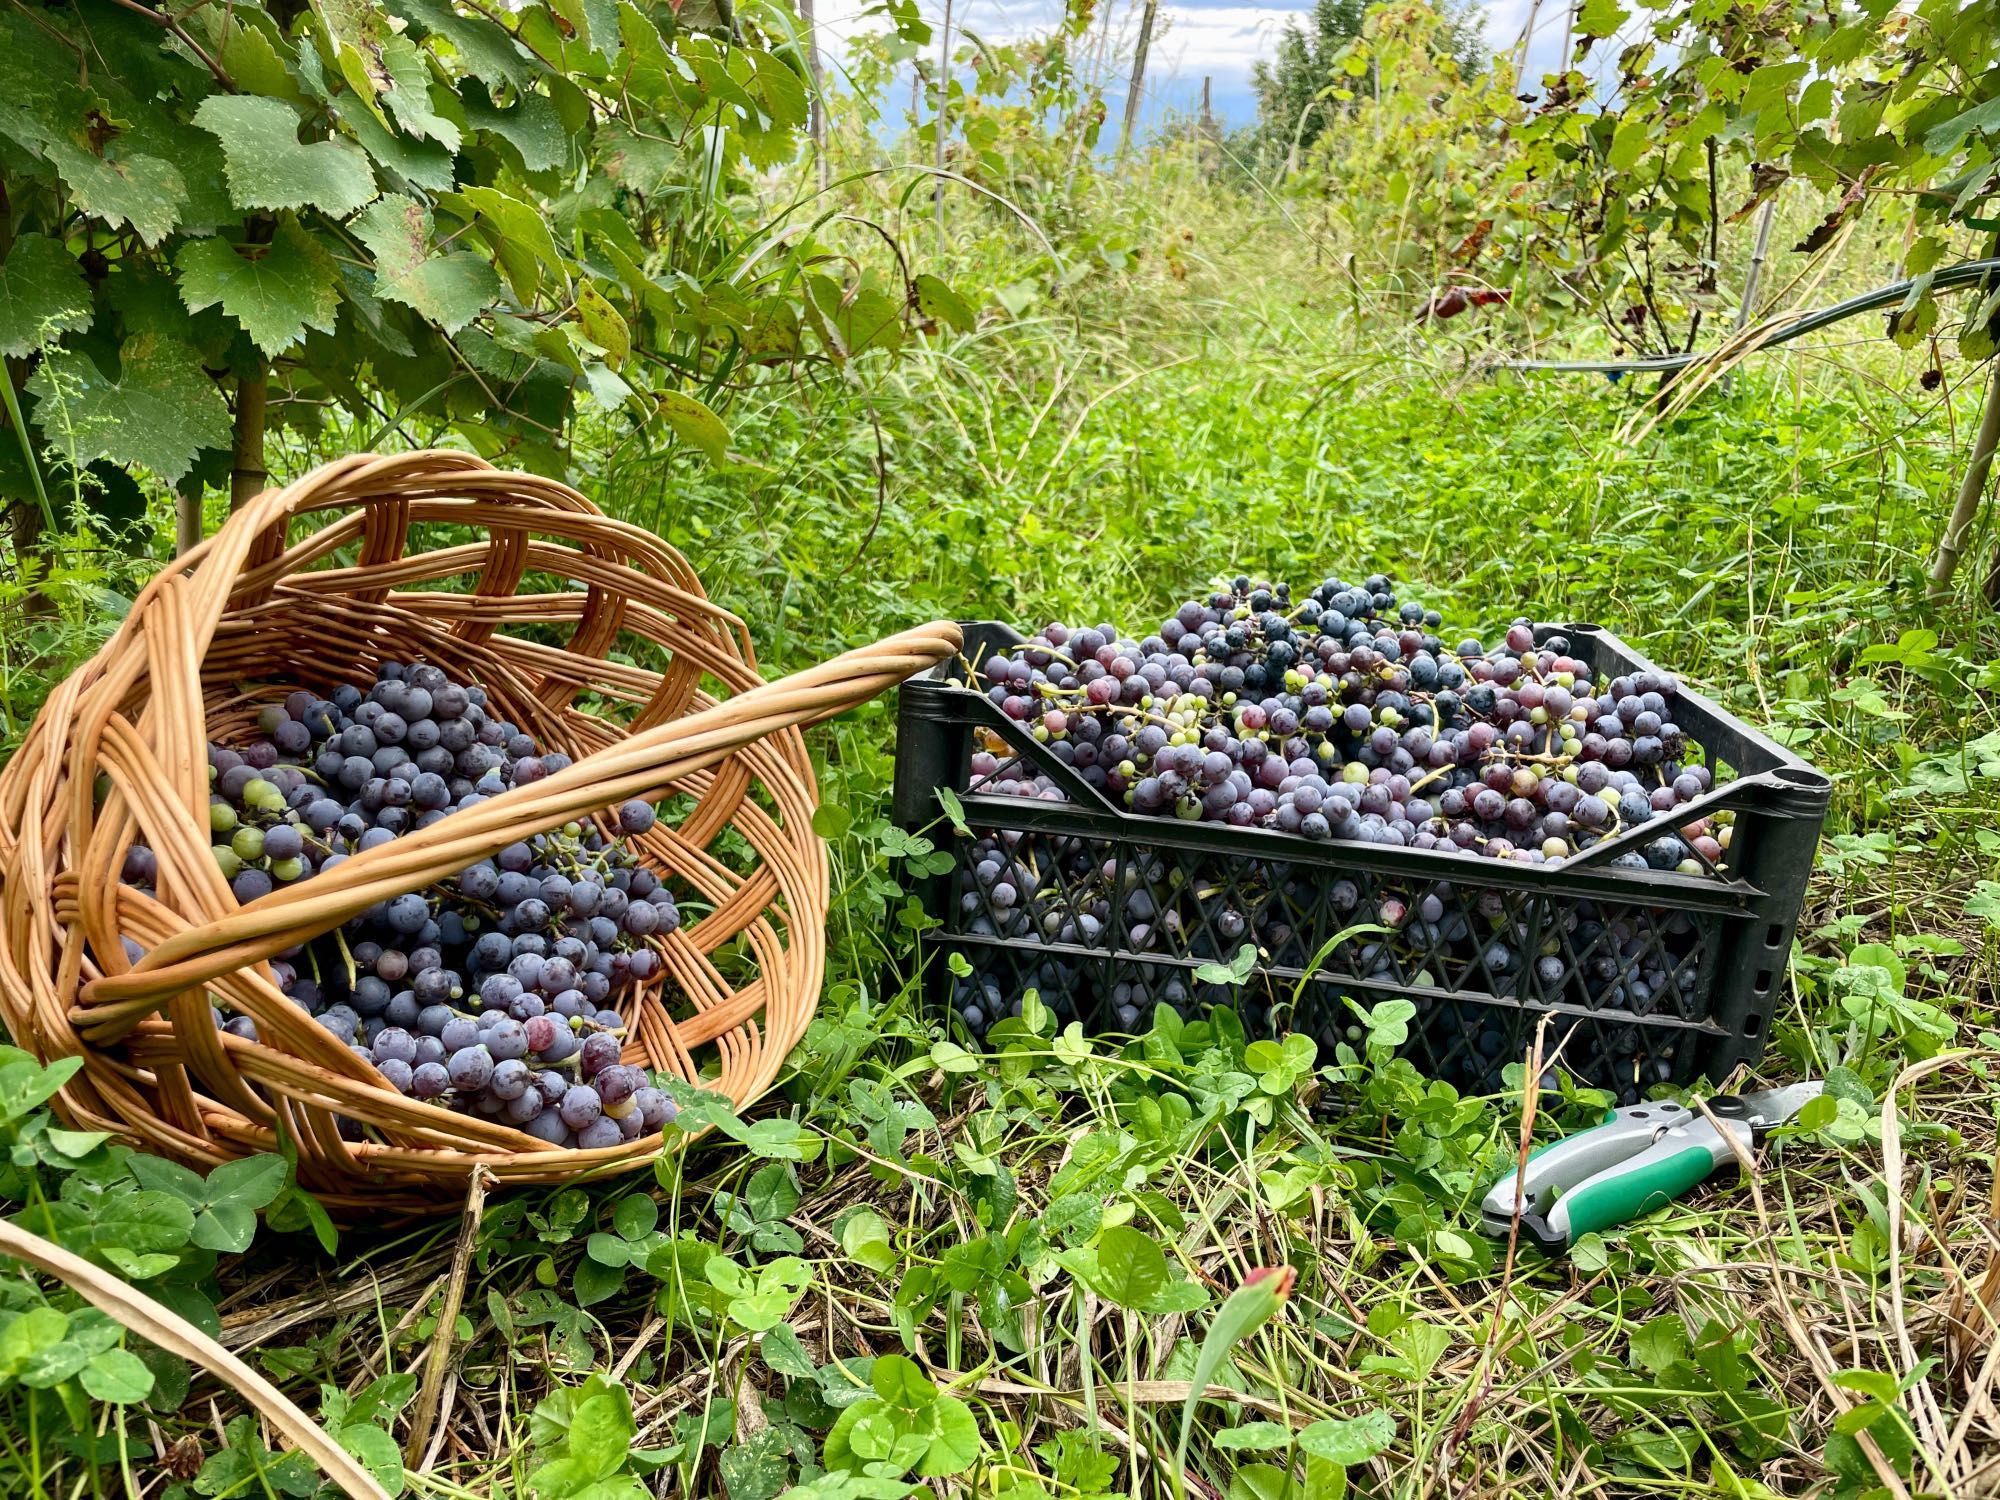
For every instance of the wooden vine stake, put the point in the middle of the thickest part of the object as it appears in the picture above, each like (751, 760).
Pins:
(1951, 544)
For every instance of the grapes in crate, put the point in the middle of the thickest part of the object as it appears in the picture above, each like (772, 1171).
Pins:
(1343, 715)
(495, 993)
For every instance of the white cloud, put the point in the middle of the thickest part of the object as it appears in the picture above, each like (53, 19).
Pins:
(1223, 40)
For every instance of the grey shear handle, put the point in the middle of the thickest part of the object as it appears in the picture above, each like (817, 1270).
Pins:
(1576, 1158)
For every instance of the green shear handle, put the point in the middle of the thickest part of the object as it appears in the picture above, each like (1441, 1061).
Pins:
(1637, 1159)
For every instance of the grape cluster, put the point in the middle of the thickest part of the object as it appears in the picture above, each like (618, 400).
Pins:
(490, 993)
(1343, 716)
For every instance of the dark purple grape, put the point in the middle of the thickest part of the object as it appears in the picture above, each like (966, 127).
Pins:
(579, 1106)
(471, 1069)
(600, 1050)
(599, 1134)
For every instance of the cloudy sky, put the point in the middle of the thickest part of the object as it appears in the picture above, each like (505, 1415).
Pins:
(1222, 39)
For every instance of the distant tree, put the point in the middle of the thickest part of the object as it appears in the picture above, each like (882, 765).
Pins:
(1291, 112)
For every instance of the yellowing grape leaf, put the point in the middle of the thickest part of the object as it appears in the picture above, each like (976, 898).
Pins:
(693, 423)
(603, 324)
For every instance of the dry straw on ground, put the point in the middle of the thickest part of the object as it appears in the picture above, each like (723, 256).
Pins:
(513, 582)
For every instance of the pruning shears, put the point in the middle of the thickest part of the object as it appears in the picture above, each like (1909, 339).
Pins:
(1640, 1158)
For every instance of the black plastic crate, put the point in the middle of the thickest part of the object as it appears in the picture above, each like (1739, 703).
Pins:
(1652, 977)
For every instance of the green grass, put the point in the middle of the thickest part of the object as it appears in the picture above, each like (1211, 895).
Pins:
(983, 1217)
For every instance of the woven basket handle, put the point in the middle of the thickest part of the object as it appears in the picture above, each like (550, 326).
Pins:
(643, 765)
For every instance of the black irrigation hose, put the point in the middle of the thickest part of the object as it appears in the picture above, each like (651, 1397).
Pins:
(1667, 364)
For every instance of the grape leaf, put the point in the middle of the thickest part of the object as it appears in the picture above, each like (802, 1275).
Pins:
(121, 186)
(520, 237)
(779, 89)
(451, 290)
(1600, 17)
(358, 34)
(530, 125)
(42, 294)
(484, 49)
(268, 166)
(424, 164)
(254, 63)
(409, 100)
(1948, 137)
(849, 321)
(276, 291)
(160, 411)
(594, 23)
(32, 79)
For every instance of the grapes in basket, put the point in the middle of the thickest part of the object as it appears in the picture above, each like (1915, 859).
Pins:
(495, 993)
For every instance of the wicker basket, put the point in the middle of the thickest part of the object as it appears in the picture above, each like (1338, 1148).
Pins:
(381, 571)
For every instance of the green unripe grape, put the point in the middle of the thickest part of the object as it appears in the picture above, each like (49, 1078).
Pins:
(264, 796)
(288, 869)
(1228, 700)
(248, 843)
(1325, 750)
(221, 817)
(1609, 797)
(1354, 773)
(226, 861)
(269, 718)
(1538, 716)
(1127, 768)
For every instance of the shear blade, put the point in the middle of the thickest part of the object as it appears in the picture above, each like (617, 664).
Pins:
(1769, 1108)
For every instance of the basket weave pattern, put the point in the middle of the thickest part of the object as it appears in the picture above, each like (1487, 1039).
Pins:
(369, 559)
